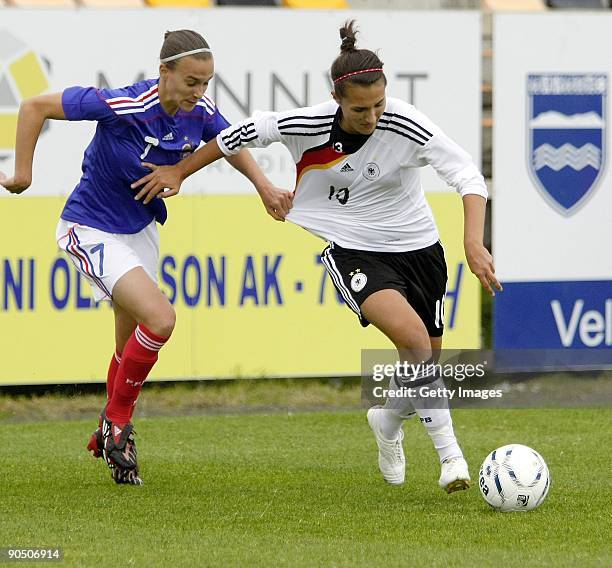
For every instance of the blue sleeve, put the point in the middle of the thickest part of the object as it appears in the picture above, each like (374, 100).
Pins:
(86, 103)
(216, 123)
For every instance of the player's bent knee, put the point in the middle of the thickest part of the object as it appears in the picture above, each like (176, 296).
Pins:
(167, 324)
(414, 345)
(414, 338)
(162, 323)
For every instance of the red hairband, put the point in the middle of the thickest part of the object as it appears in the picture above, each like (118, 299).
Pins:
(379, 69)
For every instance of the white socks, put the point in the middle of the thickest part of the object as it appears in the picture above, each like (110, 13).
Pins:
(433, 412)
(390, 424)
(439, 426)
(398, 409)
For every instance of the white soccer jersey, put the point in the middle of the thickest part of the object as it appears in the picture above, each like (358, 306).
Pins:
(361, 192)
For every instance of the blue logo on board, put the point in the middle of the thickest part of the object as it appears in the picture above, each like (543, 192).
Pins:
(567, 133)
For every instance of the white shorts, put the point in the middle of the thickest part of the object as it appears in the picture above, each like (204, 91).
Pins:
(102, 258)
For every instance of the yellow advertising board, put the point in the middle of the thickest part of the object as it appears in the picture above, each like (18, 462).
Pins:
(251, 296)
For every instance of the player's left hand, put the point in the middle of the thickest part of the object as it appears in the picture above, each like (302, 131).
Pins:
(480, 262)
(277, 201)
(163, 181)
(14, 184)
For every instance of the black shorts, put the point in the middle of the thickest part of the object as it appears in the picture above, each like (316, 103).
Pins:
(419, 275)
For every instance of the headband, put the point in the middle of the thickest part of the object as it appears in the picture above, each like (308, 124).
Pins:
(376, 69)
(185, 54)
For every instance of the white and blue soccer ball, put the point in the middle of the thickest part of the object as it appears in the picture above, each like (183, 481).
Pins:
(514, 478)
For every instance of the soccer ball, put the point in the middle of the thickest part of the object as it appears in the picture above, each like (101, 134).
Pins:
(514, 478)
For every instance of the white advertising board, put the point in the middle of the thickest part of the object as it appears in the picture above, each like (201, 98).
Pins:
(552, 221)
(265, 59)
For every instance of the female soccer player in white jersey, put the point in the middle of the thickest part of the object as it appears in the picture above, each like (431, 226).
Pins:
(358, 187)
(112, 238)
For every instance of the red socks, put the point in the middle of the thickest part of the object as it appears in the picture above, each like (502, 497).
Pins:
(112, 371)
(137, 360)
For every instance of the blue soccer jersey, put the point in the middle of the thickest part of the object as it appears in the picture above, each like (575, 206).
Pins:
(132, 128)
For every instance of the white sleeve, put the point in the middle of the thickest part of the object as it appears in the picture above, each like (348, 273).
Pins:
(453, 164)
(296, 129)
(257, 131)
(432, 146)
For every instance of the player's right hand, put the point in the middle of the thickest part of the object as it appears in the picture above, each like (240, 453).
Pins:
(14, 184)
(277, 201)
(163, 181)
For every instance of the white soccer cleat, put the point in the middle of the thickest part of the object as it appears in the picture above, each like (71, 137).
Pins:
(455, 475)
(391, 460)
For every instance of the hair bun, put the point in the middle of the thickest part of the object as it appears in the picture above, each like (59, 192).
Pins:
(348, 44)
(348, 35)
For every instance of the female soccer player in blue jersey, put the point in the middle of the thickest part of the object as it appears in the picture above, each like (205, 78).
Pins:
(358, 187)
(111, 237)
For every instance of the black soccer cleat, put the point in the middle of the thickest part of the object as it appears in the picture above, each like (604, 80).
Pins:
(126, 476)
(119, 451)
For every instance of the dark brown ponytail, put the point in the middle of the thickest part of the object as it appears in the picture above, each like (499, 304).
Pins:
(354, 65)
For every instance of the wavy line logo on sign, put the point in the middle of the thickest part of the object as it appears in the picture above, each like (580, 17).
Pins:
(22, 75)
(567, 132)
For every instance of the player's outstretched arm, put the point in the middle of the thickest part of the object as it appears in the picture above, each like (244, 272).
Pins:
(32, 115)
(455, 166)
(478, 257)
(165, 181)
(277, 201)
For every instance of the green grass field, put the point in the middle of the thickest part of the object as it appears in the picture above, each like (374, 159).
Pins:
(303, 490)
